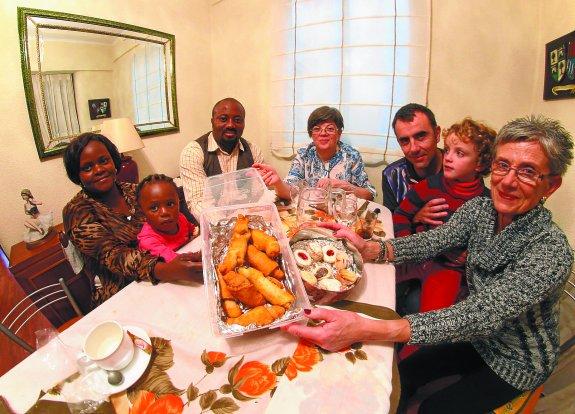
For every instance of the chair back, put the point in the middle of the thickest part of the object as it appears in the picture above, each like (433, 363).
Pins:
(24, 311)
(567, 323)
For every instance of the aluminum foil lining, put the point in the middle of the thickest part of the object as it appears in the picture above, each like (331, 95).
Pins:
(220, 236)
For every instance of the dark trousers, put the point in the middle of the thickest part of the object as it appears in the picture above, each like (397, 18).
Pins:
(479, 390)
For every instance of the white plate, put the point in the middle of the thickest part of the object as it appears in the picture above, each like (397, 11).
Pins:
(132, 373)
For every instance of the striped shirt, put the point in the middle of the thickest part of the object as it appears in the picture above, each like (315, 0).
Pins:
(193, 174)
(515, 279)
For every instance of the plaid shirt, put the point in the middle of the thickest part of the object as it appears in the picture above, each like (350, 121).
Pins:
(193, 174)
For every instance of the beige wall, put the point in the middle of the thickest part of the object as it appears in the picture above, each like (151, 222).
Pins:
(20, 167)
(557, 18)
(486, 62)
(93, 84)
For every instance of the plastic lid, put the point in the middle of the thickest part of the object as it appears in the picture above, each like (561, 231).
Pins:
(236, 187)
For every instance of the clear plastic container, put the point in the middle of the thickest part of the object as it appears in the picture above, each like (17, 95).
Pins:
(236, 187)
(268, 211)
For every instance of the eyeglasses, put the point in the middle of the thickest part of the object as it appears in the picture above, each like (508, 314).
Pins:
(330, 130)
(526, 175)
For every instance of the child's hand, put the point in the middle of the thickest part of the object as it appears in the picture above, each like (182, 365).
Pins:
(432, 212)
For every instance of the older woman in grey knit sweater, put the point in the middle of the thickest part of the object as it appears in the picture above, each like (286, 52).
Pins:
(503, 339)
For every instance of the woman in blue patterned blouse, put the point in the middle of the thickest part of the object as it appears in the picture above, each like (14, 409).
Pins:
(325, 162)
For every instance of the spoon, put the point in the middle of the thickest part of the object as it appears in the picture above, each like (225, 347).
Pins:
(115, 377)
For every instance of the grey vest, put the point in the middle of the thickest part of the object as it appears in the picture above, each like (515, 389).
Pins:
(211, 162)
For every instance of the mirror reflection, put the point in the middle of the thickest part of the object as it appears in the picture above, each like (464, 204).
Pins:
(81, 71)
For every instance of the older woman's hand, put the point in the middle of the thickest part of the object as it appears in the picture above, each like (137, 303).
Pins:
(338, 330)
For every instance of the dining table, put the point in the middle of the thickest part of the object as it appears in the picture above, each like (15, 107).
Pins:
(191, 369)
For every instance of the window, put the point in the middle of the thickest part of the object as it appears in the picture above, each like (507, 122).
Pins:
(60, 106)
(148, 76)
(365, 57)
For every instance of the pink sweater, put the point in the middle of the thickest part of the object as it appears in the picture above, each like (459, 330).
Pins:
(164, 245)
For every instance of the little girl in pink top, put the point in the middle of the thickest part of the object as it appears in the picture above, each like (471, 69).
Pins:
(166, 229)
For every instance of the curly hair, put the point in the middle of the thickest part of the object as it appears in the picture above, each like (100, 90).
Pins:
(480, 135)
(154, 178)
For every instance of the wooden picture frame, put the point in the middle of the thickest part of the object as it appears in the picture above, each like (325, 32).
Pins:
(560, 68)
(99, 108)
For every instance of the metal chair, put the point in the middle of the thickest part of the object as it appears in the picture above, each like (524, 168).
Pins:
(33, 303)
(569, 291)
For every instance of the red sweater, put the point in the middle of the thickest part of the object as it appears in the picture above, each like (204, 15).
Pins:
(436, 186)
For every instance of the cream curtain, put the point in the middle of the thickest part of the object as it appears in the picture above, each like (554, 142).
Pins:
(366, 58)
(60, 106)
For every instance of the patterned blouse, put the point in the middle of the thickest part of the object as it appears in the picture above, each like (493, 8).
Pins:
(108, 242)
(345, 165)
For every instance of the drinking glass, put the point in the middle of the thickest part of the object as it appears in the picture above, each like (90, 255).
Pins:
(311, 201)
(336, 200)
(295, 190)
(347, 215)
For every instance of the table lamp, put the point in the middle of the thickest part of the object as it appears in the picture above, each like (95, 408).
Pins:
(123, 134)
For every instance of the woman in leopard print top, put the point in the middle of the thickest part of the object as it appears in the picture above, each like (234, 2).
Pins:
(103, 221)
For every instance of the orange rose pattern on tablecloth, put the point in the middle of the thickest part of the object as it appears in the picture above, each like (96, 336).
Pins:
(147, 403)
(254, 378)
(303, 359)
(216, 358)
(245, 381)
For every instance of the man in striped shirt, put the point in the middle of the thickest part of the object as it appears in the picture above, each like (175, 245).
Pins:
(221, 150)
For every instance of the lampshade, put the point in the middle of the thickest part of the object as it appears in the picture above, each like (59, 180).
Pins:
(122, 133)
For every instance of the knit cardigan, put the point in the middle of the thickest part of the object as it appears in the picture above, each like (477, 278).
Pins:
(515, 279)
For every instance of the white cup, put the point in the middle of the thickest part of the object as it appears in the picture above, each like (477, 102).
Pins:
(109, 346)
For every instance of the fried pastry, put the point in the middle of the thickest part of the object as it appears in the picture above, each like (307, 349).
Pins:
(241, 226)
(243, 290)
(266, 243)
(261, 315)
(263, 263)
(236, 252)
(272, 293)
(230, 306)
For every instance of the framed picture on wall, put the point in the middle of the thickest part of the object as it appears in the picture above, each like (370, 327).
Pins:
(560, 68)
(99, 108)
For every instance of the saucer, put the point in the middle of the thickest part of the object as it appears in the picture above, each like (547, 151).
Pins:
(132, 372)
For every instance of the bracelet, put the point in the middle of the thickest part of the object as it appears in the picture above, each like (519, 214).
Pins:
(382, 255)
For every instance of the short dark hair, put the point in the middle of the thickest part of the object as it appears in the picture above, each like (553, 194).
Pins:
(74, 151)
(407, 112)
(154, 178)
(324, 114)
(227, 100)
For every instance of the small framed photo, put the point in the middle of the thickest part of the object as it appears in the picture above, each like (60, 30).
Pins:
(99, 108)
(560, 68)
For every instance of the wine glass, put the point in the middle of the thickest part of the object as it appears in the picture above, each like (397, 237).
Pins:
(336, 200)
(310, 202)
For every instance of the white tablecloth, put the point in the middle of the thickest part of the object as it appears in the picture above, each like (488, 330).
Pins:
(178, 312)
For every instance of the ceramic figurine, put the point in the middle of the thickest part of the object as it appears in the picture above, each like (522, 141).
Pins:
(38, 225)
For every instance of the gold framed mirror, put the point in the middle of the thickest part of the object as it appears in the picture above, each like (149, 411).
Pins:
(79, 71)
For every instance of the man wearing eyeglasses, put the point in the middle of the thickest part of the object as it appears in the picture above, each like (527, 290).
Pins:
(221, 150)
(418, 134)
